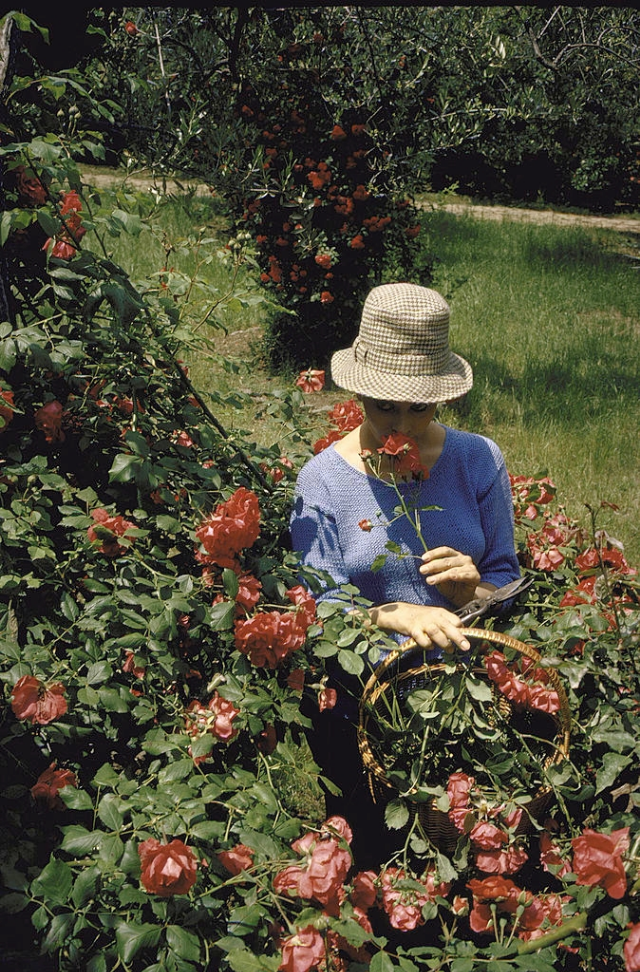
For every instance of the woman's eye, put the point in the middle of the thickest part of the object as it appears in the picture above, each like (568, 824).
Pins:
(419, 408)
(385, 406)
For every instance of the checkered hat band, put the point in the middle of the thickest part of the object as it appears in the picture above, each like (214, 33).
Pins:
(390, 360)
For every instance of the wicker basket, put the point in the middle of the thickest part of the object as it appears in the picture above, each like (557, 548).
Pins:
(403, 671)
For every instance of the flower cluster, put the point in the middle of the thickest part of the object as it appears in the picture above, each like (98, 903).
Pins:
(404, 897)
(497, 899)
(268, 637)
(592, 565)
(65, 243)
(492, 829)
(326, 861)
(233, 526)
(216, 717)
(523, 682)
(343, 417)
(106, 529)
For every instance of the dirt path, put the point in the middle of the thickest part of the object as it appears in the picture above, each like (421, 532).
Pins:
(621, 224)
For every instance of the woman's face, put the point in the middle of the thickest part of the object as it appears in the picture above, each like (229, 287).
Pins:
(411, 418)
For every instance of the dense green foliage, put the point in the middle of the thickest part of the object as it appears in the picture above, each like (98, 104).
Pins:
(319, 124)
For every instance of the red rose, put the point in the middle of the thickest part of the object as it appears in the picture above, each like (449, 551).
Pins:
(216, 717)
(406, 455)
(364, 891)
(311, 380)
(249, 588)
(129, 665)
(327, 698)
(6, 414)
(303, 951)
(30, 188)
(458, 790)
(507, 861)
(487, 836)
(366, 526)
(326, 441)
(269, 637)
(167, 869)
(550, 857)
(403, 902)
(131, 28)
(36, 702)
(346, 416)
(337, 133)
(295, 680)
(597, 860)
(326, 297)
(237, 858)
(493, 889)
(48, 419)
(48, 785)
(631, 950)
(305, 605)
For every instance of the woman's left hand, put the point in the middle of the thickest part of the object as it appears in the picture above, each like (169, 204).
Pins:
(453, 573)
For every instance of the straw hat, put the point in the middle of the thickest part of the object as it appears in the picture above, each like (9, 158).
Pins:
(402, 350)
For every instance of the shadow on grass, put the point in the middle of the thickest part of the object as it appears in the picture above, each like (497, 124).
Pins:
(582, 384)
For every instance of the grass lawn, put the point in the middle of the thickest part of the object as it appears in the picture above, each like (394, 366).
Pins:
(548, 315)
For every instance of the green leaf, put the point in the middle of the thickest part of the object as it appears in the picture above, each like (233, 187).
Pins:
(396, 815)
(98, 672)
(242, 960)
(75, 799)
(79, 841)
(54, 882)
(381, 962)
(221, 615)
(478, 689)
(230, 583)
(12, 904)
(110, 813)
(183, 943)
(613, 765)
(131, 938)
(48, 224)
(350, 662)
(84, 887)
(124, 468)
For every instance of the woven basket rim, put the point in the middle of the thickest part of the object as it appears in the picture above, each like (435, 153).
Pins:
(375, 686)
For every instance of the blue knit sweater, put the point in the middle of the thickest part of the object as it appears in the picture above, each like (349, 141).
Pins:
(470, 484)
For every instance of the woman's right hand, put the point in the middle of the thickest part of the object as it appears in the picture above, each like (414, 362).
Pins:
(429, 626)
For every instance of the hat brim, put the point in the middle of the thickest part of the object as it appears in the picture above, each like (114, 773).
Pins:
(454, 379)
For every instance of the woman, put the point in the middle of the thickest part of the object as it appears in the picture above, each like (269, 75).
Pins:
(459, 507)
(449, 521)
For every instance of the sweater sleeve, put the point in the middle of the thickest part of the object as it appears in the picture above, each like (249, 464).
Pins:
(314, 532)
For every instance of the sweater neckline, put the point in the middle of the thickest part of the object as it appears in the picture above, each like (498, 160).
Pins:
(364, 475)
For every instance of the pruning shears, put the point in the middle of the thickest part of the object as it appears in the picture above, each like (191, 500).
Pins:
(480, 606)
